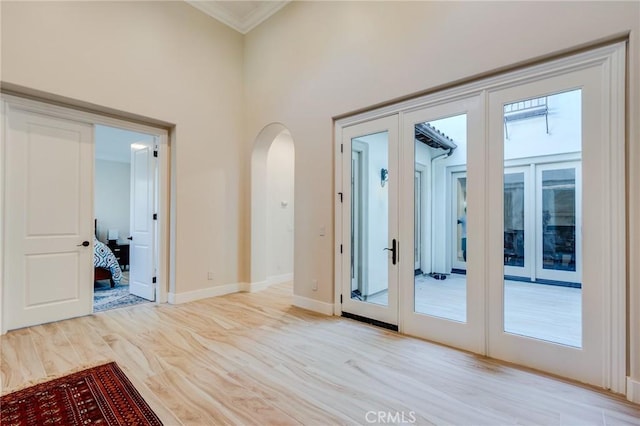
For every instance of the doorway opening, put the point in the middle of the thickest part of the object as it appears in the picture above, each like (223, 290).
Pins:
(125, 239)
(272, 207)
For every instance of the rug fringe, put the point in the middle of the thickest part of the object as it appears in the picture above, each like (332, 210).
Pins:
(50, 377)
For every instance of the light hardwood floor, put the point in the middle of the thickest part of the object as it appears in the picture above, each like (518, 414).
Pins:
(246, 359)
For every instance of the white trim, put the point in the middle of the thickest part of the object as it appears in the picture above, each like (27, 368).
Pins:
(633, 390)
(221, 290)
(616, 327)
(166, 178)
(254, 287)
(278, 279)
(338, 218)
(323, 308)
(218, 290)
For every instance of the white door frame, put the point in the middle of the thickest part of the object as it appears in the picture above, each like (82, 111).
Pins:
(166, 266)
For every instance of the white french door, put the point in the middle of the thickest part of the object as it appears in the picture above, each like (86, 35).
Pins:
(554, 320)
(48, 244)
(496, 186)
(369, 163)
(440, 303)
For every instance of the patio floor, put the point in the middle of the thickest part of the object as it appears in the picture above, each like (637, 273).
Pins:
(541, 311)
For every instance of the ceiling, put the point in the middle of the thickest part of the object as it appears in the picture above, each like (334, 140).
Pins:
(241, 15)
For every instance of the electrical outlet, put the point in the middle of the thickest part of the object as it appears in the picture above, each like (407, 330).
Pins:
(314, 285)
(210, 276)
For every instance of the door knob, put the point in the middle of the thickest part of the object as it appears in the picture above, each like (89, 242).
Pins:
(130, 238)
(84, 244)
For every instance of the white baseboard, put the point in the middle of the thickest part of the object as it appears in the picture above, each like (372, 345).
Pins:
(633, 390)
(253, 287)
(219, 290)
(261, 285)
(313, 305)
(277, 279)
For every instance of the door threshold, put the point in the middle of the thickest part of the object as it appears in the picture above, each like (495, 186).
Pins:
(370, 321)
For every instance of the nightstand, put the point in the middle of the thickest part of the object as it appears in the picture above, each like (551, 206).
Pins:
(121, 252)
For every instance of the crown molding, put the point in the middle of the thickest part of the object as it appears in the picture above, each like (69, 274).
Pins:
(244, 24)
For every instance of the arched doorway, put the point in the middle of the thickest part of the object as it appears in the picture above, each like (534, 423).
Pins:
(272, 207)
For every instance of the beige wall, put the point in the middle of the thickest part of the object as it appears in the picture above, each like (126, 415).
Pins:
(164, 60)
(317, 60)
(111, 198)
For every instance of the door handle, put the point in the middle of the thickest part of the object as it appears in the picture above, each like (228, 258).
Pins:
(84, 244)
(393, 250)
(130, 238)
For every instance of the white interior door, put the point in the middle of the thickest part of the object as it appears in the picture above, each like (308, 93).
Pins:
(48, 217)
(142, 245)
(369, 221)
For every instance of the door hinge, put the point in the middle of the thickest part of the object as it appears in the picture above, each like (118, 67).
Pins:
(153, 280)
(341, 148)
(155, 153)
(340, 194)
(340, 298)
(155, 216)
(340, 248)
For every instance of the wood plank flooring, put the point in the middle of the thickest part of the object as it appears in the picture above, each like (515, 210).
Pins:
(253, 359)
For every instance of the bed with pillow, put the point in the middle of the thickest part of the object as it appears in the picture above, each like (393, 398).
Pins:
(105, 264)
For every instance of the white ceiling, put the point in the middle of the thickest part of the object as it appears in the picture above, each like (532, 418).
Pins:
(241, 15)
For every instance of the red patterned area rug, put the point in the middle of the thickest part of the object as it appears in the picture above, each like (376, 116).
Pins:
(101, 395)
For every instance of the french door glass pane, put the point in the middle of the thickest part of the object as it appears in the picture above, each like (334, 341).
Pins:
(543, 135)
(370, 218)
(440, 251)
(460, 188)
(559, 219)
(514, 219)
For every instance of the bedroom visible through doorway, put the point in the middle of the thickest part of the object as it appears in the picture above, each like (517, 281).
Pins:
(124, 202)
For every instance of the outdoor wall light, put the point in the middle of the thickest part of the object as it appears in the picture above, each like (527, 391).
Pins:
(384, 176)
